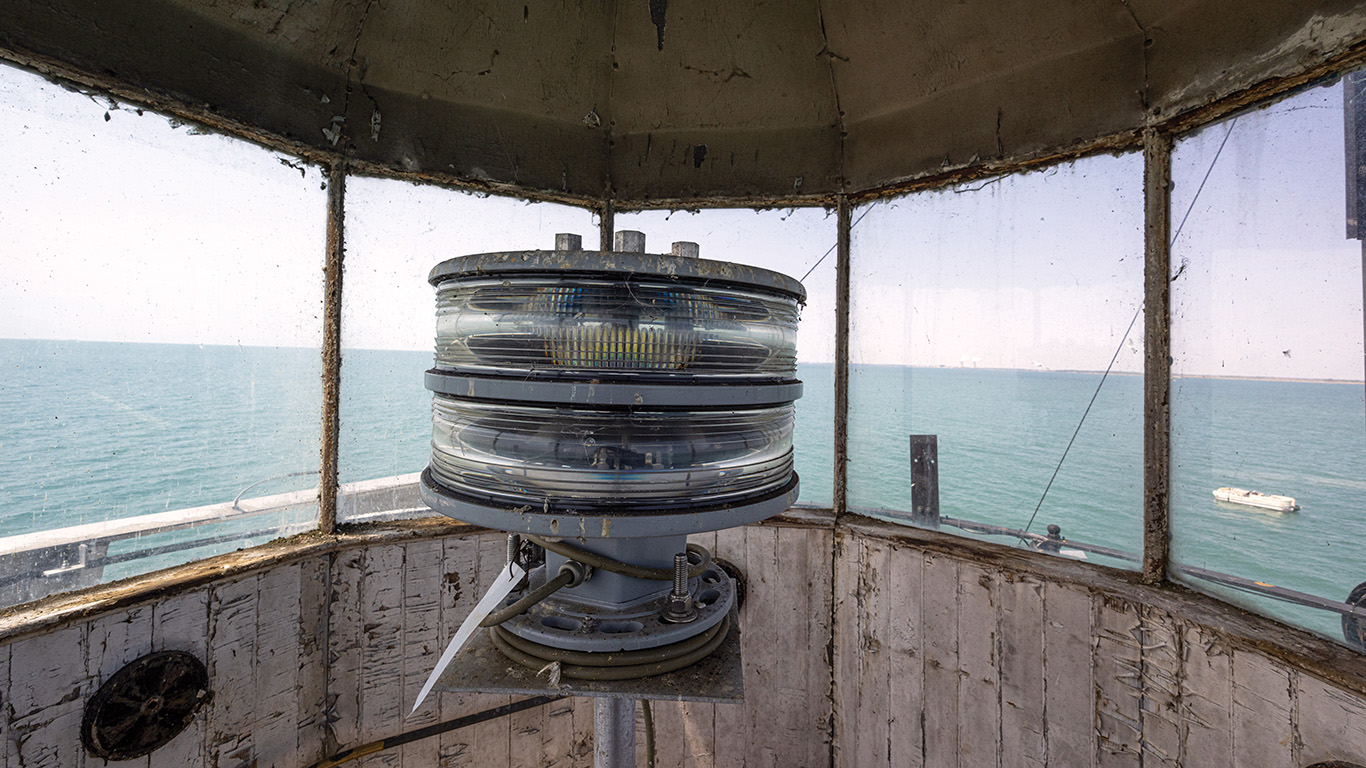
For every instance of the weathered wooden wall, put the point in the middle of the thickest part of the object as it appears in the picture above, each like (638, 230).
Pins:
(946, 661)
(329, 651)
(864, 645)
(291, 678)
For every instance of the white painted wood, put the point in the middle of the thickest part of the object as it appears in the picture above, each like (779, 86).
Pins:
(48, 687)
(344, 649)
(905, 660)
(1206, 701)
(1069, 692)
(787, 701)
(1021, 643)
(275, 726)
(1331, 723)
(940, 592)
(114, 640)
(730, 725)
(381, 662)
(1161, 701)
(180, 623)
(848, 554)
(421, 629)
(460, 590)
(872, 710)
(979, 692)
(490, 742)
(1119, 685)
(1262, 735)
(558, 736)
(311, 666)
(231, 662)
(7, 746)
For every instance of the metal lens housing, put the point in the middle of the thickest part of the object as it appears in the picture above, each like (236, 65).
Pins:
(619, 400)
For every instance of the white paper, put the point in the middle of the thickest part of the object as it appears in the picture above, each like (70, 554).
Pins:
(502, 585)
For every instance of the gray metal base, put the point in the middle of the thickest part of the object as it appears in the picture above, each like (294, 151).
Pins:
(562, 622)
(480, 668)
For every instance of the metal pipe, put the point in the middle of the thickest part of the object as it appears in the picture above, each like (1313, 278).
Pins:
(1157, 347)
(614, 733)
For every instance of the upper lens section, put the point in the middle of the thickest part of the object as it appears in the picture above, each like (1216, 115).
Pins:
(647, 326)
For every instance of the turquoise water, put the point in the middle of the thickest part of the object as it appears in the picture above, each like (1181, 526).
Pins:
(94, 431)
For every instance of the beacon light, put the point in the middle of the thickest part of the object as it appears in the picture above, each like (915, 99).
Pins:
(607, 405)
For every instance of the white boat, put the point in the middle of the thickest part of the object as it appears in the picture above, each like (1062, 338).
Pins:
(1256, 499)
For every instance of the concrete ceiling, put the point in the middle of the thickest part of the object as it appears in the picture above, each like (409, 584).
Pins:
(650, 101)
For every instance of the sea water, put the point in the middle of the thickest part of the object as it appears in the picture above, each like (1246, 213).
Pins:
(93, 431)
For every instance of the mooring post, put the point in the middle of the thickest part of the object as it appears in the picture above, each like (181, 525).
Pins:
(614, 733)
(925, 480)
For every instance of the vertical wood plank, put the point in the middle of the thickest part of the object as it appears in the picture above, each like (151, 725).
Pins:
(941, 661)
(1262, 733)
(381, 672)
(114, 640)
(1119, 685)
(276, 729)
(730, 725)
(312, 737)
(817, 544)
(1160, 646)
(490, 742)
(905, 657)
(1020, 602)
(1069, 693)
(181, 623)
(7, 746)
(231, 662)
(557, 743)
(1206, 701)
(683, 734)
(979, 691)
(872, 713)
(344, 649)
(459, 593)
(1331, 722)
(7, 757)
(47, 695)
(848, 554)
(421, 624)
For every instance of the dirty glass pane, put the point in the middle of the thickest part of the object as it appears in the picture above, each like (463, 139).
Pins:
(395, 233)
(161, 305)
(1267, 361)
(987, 315)
(796, 242)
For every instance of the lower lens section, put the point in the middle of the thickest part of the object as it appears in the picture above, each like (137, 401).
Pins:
(530, 455)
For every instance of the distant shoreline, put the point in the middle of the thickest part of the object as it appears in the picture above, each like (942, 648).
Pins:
(1288, 379)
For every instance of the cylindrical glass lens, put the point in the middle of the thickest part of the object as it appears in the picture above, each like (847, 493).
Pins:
(658, 460)
(636, 328)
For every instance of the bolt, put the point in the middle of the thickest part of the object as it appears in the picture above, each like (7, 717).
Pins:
(681, 574)
(685, 249)
(678, 607)
(514, 544)
(629, 241)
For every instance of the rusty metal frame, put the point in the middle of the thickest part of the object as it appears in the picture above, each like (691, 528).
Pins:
(332, 357)
(844, 220)
(1157, 346)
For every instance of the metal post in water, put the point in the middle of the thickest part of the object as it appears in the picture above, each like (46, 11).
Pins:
(925, 480)
(614, 733)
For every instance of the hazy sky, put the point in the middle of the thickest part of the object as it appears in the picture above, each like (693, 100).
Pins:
(115, 226)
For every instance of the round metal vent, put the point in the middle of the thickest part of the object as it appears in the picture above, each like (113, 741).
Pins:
(144, 705)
